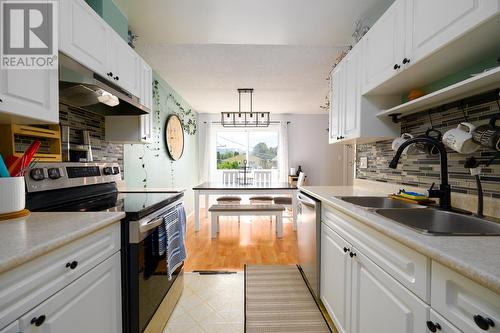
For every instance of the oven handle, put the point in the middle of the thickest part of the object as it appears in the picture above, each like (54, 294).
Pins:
(155, 219)
(306, 201)
(146, 226)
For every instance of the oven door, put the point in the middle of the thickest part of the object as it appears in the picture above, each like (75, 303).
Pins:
(146, 278)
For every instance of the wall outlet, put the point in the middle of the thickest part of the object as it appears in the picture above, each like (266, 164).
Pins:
(363, 162)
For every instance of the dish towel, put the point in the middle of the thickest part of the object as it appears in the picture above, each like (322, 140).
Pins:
(175, 229)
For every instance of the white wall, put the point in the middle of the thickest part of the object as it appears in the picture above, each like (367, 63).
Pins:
(307, 146)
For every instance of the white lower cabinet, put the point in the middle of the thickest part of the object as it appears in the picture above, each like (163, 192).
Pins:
(380, 303)
(370, 283)
(90, 304)
(335, 291)
(437, 323)
(12, 328)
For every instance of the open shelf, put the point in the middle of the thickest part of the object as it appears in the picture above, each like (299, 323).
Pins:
(474, 85)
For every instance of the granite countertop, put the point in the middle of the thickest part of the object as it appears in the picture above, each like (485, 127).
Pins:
(476, 257)
(27, 238)
(152, 189)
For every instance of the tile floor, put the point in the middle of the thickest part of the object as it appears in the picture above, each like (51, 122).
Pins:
(209, 303)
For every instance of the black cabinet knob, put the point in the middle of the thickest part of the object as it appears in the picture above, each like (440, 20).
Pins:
(116, 78)
(396, 67)
(433, 327)
(406, 61)
(346, 250)
(38, 321)
(1, 100)
(483, 323)
(352, 254)
(72, 265)
(110, 74)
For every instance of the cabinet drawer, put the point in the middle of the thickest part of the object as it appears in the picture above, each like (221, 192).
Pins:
(409, 267)
(442, 325)
(460, 299)
(24, 287)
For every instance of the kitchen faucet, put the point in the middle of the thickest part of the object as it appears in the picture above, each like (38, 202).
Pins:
(444, 192)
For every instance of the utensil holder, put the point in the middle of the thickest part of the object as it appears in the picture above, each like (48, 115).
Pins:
(12, 194)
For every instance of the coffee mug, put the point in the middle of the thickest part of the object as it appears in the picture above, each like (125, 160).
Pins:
(402, 139)
(488, 135)
(427, 148)
(460, 139)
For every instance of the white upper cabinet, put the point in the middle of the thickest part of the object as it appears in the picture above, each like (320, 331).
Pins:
(146, 95)
(381, 304)
(384, 47)
(29, 96)
(336, 100)
(83, 35)
(431, 24)
(123, 63)
(88, 39)
(352, 94)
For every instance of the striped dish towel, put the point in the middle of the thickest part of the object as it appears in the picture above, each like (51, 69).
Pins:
(175, 228)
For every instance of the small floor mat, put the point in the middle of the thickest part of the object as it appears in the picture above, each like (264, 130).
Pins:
(277, 300)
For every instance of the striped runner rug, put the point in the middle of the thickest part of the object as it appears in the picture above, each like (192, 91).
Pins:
(278, 300)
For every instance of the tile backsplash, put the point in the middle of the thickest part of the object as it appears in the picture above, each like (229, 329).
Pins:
(421, 170)
(79, 120)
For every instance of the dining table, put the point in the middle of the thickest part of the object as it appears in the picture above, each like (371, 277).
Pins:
(209, 188)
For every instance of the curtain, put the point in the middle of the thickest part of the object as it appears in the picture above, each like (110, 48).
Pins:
(283, 152)
(209, 157)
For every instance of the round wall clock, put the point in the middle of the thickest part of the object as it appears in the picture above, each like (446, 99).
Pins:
(174, 137)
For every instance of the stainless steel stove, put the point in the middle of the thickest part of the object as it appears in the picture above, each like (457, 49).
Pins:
(82, 187)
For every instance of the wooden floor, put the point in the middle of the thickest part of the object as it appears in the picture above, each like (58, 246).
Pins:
(252, 242)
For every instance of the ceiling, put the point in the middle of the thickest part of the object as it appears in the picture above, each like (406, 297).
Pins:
(284, 49)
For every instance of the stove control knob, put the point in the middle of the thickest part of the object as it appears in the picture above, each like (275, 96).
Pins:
(116, 170)
(54, 173)
(37, 174)
(107, 171)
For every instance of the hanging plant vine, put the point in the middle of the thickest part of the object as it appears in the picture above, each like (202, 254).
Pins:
(187, 117)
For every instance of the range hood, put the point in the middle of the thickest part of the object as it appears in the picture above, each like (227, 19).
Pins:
(81, 88)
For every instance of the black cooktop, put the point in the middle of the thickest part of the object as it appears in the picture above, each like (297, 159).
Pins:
(98, 198)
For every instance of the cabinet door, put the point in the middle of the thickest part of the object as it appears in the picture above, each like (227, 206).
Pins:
(381, 304)
(442, 325)
(83, 35)
(432, 24)
(335, 283)
(384, 47)
(90, 304)
(146, 94)
(29, 96)
(336, 100)
(351, 106)
(124, 63)
(12, 328)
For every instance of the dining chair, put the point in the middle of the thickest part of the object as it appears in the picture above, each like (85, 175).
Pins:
(230, 176)
(262, 176)
(287, 201)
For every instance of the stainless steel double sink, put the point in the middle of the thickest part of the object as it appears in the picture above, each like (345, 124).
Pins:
(426, 220)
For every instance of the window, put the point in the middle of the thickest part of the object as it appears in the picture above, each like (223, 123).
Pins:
(258, 146)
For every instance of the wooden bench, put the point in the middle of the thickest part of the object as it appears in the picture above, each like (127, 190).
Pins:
(240, 210)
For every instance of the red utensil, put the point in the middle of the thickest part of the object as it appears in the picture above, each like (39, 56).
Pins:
(25, 160)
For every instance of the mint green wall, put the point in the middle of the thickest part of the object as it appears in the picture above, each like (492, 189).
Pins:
(158, 171)
(112, 15)
(488, 62)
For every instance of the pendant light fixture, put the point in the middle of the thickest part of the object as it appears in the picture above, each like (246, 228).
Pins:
(245, 119)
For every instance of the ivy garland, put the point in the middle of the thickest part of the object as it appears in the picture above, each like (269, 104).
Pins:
(187, 117)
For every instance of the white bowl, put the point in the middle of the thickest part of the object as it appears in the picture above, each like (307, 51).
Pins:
(12, 194)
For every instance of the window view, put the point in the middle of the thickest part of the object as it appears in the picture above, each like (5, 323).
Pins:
(258, 147)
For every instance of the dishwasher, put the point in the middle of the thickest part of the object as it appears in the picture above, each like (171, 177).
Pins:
(308, 239)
